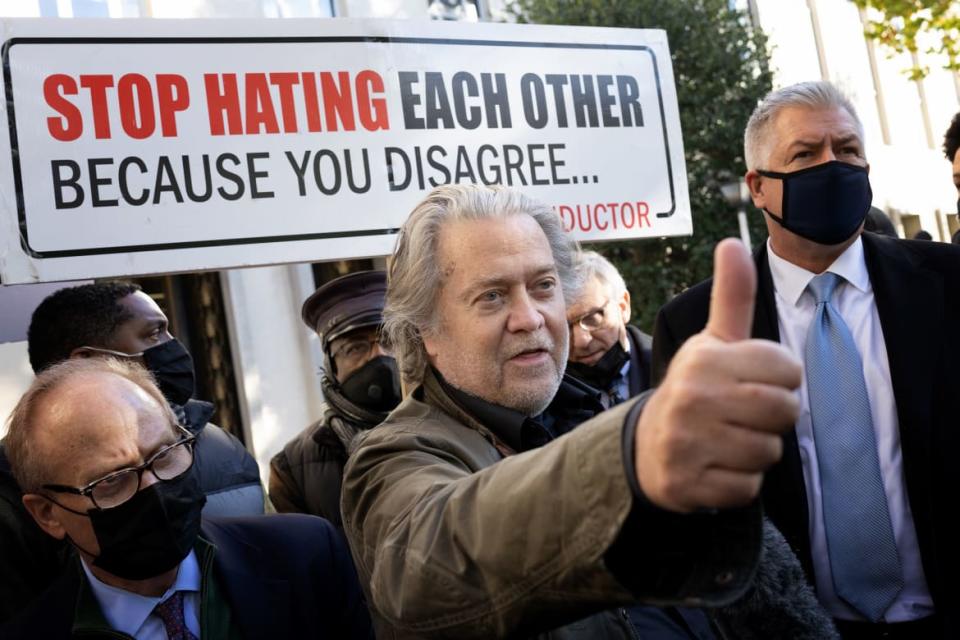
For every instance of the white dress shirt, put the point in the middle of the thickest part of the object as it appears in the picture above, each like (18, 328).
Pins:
(853, 300)
(132, 613)
(623, 383)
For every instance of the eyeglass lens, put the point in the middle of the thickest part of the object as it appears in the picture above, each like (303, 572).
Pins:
(166, 465)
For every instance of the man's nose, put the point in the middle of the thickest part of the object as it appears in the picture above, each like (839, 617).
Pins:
(149, 478)
(579, 337)
(524, 314)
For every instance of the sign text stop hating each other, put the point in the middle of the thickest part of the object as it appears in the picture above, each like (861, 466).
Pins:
(151, 146)
(292, 102)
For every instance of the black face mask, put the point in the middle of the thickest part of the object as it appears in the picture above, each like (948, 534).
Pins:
(602, 374)
(375, 386)
(171, 364)
(826, 203)
(150, 533)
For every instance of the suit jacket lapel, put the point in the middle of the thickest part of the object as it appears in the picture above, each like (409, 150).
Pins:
(638, 376)
(258, 599)
(909, 301)
(765, 325)
(784, 491)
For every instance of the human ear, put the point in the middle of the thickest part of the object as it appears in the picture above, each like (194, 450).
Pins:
(80, 352)
(624, 304)
(41, 510)
(755, 182)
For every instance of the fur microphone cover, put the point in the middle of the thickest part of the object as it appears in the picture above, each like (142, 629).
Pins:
(780, 603)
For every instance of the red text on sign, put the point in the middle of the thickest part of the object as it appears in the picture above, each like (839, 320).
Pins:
(139, 105)
(244, 104)
(610, 216)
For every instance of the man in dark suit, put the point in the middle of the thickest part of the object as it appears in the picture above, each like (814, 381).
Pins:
(951, 142)
(606, 352)
(104, 464)
(117, 320)
(861, 491)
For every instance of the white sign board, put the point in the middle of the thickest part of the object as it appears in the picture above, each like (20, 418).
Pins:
(151, 146)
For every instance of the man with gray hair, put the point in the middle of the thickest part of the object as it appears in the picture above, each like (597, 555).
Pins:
(104, 464)
(606, 352)
(864, 491)
(477, 510)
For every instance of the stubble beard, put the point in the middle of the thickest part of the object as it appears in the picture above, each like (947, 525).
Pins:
(532, 401)
(530, 392)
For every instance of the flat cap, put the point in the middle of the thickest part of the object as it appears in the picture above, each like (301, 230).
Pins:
(346, 303)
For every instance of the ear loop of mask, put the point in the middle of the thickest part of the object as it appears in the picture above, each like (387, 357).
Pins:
(111, 352)
(85, 514)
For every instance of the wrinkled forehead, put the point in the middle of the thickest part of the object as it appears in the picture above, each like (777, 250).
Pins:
(593, 293)
(795, 123)
(88, 427)
(474, 248)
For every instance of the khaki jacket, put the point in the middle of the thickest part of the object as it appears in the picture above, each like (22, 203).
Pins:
(452, 539)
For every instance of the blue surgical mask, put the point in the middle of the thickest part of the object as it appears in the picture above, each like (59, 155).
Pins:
(826, 203)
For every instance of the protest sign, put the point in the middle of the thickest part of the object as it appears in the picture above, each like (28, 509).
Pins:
(151, 146)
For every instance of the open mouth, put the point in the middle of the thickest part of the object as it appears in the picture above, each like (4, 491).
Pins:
(534, 355)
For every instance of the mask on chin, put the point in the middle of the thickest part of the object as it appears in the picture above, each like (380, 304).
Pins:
(602, 374)
(826, 203)
(375, 386)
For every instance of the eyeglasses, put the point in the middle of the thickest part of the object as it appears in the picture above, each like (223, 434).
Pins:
(593, 319)
(356, 350)
(115, 488)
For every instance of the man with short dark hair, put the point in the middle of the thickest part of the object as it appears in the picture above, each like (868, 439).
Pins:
(951, 142)
(105, 465)
(360, 385)
(116, 319)
(864, 492)
(606, 351)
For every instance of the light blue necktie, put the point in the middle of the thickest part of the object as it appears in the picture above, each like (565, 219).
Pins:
(863, 554)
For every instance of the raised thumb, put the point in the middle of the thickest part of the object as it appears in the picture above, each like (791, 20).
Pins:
(734, 291)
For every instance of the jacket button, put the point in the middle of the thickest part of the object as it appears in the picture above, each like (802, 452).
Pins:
(724, 578)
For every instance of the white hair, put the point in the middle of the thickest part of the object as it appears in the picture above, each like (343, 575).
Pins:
(594, 265)
(415, 276)
(812, 95)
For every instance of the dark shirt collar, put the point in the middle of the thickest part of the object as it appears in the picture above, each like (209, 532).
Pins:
(573, 403)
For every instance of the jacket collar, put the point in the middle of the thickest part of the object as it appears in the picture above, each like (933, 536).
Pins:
(508, 430)
(194, 415)
(791, 281)
(910, 302)
(89, 618)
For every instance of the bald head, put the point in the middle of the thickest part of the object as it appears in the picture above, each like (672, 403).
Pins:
(83, 419)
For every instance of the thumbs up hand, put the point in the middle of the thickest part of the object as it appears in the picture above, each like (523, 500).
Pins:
(708, 433)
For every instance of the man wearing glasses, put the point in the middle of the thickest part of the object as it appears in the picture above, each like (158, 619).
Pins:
(104, 464)
(606, 352)
(360, 383)
(116, 320)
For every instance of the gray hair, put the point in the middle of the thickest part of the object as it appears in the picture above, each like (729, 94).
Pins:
(26, 462)
(594, 265)
(415, 277)
(812, 95)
